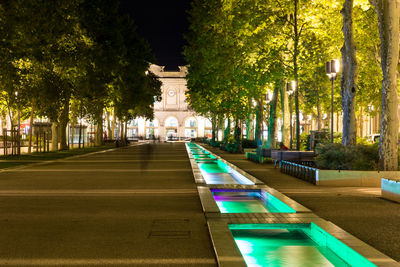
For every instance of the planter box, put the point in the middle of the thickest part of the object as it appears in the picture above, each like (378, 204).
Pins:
(262, 152)
(249, 150)
(353, 178)
(253, 156)
(391, 189)
(292, 155)
(336, 177)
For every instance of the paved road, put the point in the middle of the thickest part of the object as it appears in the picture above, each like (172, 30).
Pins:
(358, 210)
(135, 206)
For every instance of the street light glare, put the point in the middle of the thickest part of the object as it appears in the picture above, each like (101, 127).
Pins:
(335, 66)
(293, 85)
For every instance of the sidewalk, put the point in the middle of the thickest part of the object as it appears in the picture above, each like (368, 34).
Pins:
(358, 210)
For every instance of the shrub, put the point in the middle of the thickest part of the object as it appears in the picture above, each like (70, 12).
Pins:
(246, 143)
(305, 142)
(337, 157)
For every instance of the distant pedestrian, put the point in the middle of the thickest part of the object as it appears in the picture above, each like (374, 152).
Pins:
(146, 152)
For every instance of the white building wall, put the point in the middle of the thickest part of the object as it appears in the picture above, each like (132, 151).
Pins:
(173, 104)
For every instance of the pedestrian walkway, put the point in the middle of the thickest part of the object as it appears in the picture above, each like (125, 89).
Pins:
(133, 206)
(358, 210)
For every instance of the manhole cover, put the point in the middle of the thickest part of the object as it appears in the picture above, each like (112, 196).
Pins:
(164, 221)
(170, 234)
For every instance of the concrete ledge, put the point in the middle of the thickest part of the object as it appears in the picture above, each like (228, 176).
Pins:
(199, 179)
(240, 171)
(353, 178)
(391, 189)
(228, 253)
(210, 206)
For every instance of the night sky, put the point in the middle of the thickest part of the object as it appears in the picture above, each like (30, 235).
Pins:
(163, 24)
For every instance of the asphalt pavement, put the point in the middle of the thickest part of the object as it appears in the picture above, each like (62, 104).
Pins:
(132, 206)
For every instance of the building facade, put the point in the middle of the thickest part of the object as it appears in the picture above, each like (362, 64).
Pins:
(173, 119)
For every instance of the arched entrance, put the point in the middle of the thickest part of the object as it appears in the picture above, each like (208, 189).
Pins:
(171, 129)
(152, 129)
(133, 129)
(191, 127)
(207, 128)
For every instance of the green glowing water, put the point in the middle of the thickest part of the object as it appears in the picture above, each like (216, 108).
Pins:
(283, 247)
(243, 206)
(203, 157)
(218, 167)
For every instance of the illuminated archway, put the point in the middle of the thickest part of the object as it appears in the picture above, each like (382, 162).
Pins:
(191, 127)
(171, 128)
(152, 129)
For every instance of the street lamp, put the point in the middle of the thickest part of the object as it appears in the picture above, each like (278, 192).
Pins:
(268, 97)
(290, 88)
(332, 69)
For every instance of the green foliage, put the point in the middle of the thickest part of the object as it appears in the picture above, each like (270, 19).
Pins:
(81, 53)
(305, 143)
(338, 157)
(238, 49)
(248, 143)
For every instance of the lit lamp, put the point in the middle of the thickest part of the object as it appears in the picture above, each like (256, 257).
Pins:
(332, 69)
(290, 88)
(268, 97)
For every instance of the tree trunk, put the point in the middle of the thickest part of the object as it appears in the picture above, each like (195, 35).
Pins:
(238, 136)
(249, 122)
(296, 74)
(319, 117)
(121, 124)
(227, 130)
(361, 122)
(388, 22)
(72, 132)
(285, 117)
(109, 135)
(64, 118)
(99, 130)
(126, 131)
(114, 121)
(31, 127)
(259, 122)
(271, 143)
(349, 76)
(249, 127)
(54, 136)
(80, 133)
(213, 125)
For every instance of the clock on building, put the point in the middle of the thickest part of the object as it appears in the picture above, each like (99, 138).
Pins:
(171, 92)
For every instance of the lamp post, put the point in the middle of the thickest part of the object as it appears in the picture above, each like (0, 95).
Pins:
(290, 88)
(332, 69)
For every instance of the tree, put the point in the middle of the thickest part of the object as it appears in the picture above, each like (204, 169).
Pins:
(349, 76)
(388, 20)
